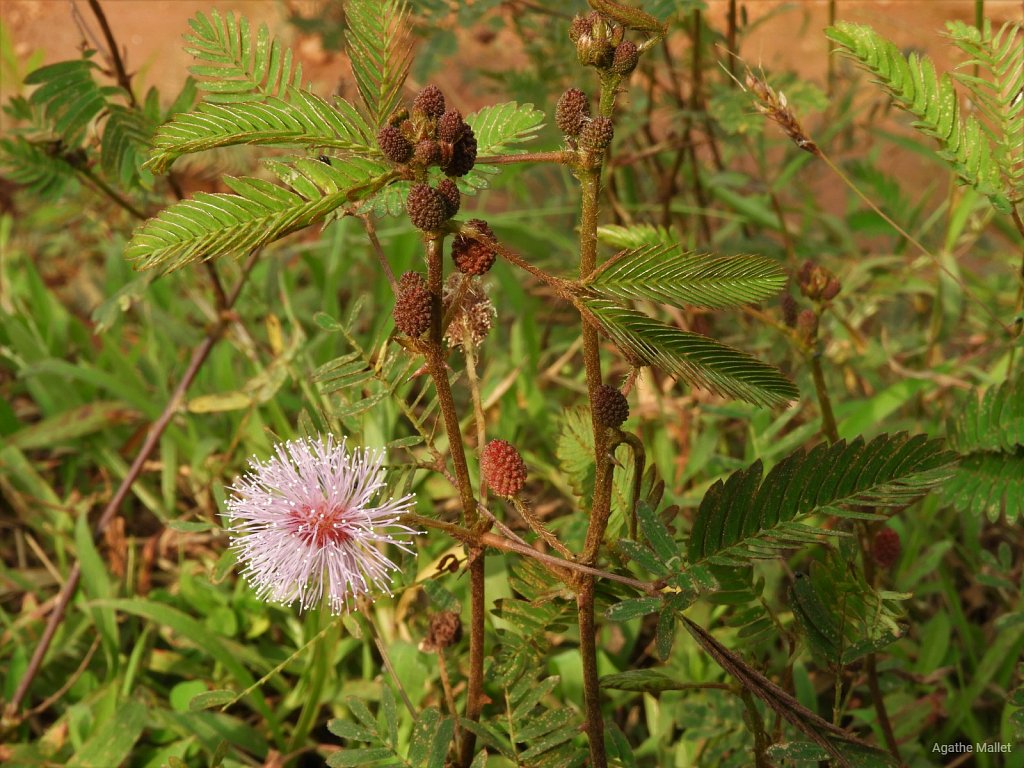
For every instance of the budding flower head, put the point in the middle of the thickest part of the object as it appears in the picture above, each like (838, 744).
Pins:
(597, 134)
(626, 57)
(610, 406)
(445, 631)
(412, 312)
(393, 145)
(429, 102)
(427, 208)
(503, 468)
(886, 547)
(573, 106)
(474, 254)
(304, 526)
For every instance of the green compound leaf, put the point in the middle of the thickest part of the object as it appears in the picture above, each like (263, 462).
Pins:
(304, 120)
(669, 275)
(989, 434)
(696, 359)
(208, 226)
(380, 50)
(69, 97)
(745, 518)
(235, 67)
(914, 86)
(997, 95)
(499, 127)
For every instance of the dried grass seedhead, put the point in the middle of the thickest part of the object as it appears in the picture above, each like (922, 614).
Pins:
(773, 105)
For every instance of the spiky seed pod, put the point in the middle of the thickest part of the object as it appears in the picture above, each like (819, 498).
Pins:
(393, 145)
(610, 406)
(625, 59)
(463, 155)
(449, 190)
(572, 108)
(451, 126)
(503, 468)
(426, 153)
(886, 547)
(411, 278)
(429, 102)
(597, 134)
(445, 631)
(412, 307)
(789, 309)
(426, 207)
(475, 254)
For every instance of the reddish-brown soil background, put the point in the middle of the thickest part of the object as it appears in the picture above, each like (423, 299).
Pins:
(150, 32)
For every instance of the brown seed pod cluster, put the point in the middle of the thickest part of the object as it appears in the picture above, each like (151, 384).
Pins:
(427, 136)
(412, 305)
(474, 250)
(610, 406)
(503, 468)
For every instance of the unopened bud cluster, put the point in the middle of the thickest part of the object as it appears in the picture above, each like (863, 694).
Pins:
(412, 306)
(429, 135)
(817, 283)
(475, 248)
(599, 44)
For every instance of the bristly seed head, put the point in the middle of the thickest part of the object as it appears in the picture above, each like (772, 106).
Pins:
(475, 254)
(412, 312)
(503, 468)
(451, 126)
(426, 207)
(449, 190)
(597, 134)
(626, 58)
(393, 145)
(572, 109)
(610, 406)
(463, 155)
(429, 102)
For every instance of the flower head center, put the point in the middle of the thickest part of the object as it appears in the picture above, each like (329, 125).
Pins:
(320, 525)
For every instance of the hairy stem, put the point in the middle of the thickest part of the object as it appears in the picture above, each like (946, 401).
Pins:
(590, 179)
(438, 370)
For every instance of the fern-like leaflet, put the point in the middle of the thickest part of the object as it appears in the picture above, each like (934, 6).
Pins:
(380, 52)
(914, 86)
(745, 517)
(989, 433)
(696, 359)
(212, 225)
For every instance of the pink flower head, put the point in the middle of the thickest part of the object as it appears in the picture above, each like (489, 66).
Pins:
(303, 524)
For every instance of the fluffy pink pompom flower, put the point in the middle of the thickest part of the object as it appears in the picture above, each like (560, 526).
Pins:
(302, 524)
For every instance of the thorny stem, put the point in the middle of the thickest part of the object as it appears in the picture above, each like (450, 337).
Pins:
(438, 370)
(199, 356)
(601, 504)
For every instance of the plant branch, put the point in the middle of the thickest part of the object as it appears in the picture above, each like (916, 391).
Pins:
(123, 79)
(199, 356)
(438, 369)
(563, 157)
